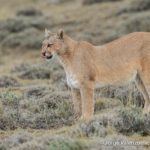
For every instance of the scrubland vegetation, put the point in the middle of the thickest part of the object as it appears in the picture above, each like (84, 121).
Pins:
(35, 102)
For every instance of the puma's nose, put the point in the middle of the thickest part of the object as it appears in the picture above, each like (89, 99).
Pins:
(43, 54)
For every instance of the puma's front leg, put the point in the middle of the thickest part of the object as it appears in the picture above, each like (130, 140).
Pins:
(76, 96)
(87, 96)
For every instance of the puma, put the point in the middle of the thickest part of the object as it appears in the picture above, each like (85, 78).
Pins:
(88, 67)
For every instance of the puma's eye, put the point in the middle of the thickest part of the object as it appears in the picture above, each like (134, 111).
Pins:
(49, 45)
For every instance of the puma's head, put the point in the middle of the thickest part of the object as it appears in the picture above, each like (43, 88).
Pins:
(53, 44)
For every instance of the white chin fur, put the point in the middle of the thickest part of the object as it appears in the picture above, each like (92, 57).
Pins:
(47, 54)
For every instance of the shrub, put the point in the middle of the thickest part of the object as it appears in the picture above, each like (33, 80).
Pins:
(35, 72)
(99, 105)
(125, 94)
(13, 25)
(29, 38)
(103, 103)
(137, 23)
(53, 143)
(131, 121)
(51, 70)
(3, 34)
(139, 5)
(53, 65)
(1, 108)
(23, 32)
(8, 122)
(37, 92)
(52, 110)
(134, 6)
(20, 68)
(57, 1)
(29, 11)
(15, 140)
(9, 98)
(11, 114)
(2, 147)
(66, 144)
(55, 111)
(88, 2)
(95, 128)
(6, 81)
(18, 24)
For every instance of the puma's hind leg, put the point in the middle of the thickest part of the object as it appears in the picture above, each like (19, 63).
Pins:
(143, 84)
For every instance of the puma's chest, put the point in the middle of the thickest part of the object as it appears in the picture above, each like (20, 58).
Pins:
(72, 80)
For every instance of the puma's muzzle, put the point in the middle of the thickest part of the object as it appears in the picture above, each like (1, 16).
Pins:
(46, 55)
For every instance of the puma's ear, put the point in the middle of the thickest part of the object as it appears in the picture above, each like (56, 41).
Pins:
(60, 33)
(47, 33)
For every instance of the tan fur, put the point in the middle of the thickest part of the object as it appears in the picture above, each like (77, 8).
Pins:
(87, 66)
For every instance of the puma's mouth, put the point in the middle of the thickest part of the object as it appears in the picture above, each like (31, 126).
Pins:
(47, 55)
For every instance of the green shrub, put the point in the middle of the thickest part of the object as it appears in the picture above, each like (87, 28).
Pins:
(66, 144)
(45, 143)
(11, 114)
(9, 98)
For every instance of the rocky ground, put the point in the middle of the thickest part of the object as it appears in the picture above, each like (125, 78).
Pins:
(35, 101)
